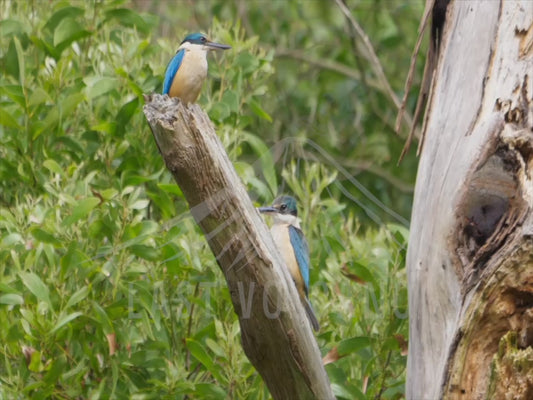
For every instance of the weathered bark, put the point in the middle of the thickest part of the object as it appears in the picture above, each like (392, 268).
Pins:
(470, 257)
(276, 335)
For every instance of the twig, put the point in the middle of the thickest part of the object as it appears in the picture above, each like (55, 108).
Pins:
(189, 327)
(373, 58)
(320, 62)
(382, 387)
(399, 184)
(411, 73)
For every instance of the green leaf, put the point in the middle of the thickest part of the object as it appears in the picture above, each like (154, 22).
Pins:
(198, 351)
(59, 15)
(135, 180)
(129, 18)
(126, 112)
(149, 228)
(98, 86)
(105, 126)
(231, 99)
(108, 194)
(74, 258)
(248, 62)
(40, 96)
(361, 272)
(171, 188)
(43, 236)
(78, 370)
(146, 252)
(65, 319)
(36, 364)
(140, 204)
(49, 123)
(70, 103)
(7, 120)
(12, 239)
(258, 110)
(353, 344)
(78, 296)
(11, 26)
(36, 286)
(164, 202)
(55, 369)
(53, 166)
(345, 392)
(220, 111)
(14, 92)
(11, 299)
(20, 58)
(209, 391)
(215, 347)
(81, 210)
(103, 318)
(10, 61)
(67, 31)
(265, 161)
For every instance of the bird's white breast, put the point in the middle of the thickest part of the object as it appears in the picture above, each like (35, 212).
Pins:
(191, 74)
(280, 234)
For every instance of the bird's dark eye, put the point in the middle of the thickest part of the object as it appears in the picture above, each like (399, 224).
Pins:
(203, 39)
(283, 207)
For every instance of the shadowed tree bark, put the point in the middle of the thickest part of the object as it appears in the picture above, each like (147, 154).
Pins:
(470, 257)
(276, 335)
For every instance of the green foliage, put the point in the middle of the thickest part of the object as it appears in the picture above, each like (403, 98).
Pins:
(107, 287)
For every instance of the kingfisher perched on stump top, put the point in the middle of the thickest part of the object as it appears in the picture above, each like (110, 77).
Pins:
(187, 70)
(292, 245)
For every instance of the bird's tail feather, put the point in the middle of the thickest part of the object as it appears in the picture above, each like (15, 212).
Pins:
(311, 315)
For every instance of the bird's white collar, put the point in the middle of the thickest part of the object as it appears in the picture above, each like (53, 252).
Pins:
(194, 47)
(286, 219)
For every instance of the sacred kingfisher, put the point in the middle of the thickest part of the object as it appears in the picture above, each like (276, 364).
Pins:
(292, 245)
(187, 70)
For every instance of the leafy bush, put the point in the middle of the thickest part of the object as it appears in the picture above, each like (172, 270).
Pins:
(107, 288)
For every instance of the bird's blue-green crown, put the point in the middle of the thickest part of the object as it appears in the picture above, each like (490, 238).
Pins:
(195, 38)
(286, 205)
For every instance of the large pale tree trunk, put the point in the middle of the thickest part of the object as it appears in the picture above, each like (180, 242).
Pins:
(470, 258)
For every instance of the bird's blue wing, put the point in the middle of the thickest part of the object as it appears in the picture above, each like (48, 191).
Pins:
(172, 69)
(301, 251)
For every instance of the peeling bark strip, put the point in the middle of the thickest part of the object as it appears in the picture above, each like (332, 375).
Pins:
(276, 335)
(470, 257)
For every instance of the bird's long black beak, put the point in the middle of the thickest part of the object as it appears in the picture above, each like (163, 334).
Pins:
(268, 210)
(217, 46)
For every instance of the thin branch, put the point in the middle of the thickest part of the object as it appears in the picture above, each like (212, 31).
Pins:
(382, 386)
(368, 166)
(358, 60)
(336, 67)
(320, 62)
(189, 329)
(365, 166)
(374, 60)
(414, 56)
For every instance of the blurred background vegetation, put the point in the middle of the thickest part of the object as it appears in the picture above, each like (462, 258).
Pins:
(107, 287)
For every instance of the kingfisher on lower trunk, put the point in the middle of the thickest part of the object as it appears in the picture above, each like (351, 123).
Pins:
(292, 245)
(187, 70)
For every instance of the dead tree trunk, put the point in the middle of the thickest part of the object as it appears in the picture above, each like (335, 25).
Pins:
(470, 257)
(276, 335)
